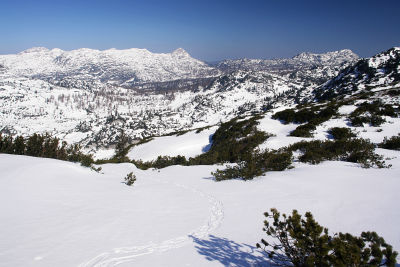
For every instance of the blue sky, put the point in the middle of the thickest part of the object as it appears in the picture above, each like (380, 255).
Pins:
(208, 30)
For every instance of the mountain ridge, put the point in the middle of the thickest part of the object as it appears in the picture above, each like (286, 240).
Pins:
(137, 65)
(304, 57)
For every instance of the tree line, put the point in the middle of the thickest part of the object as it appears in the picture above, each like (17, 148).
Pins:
(44, 146)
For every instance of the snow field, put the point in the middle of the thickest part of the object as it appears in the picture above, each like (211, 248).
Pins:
(189, 145)
(57, 213)
(60, 214)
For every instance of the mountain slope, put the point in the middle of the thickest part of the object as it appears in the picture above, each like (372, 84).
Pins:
(72, 216)
(381, 70)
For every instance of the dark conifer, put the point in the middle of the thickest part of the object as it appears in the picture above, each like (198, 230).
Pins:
(19, 145)
(296, 241)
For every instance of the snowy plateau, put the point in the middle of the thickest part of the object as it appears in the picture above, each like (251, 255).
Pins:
(59, 213)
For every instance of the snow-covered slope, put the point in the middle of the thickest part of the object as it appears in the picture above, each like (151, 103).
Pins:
(188, 145)
(56, 213)
(381, 70)
(95, 117)
(191, 144)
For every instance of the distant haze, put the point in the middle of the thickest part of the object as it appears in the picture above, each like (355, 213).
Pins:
(208, 30)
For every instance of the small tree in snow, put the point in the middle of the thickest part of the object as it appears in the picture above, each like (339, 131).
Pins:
(130, 179)
(121, 147)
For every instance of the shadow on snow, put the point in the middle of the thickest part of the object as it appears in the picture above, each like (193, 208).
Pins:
(229, 253)
(207, 147)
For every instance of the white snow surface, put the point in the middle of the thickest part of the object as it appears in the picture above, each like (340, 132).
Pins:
(56, 213)
(280, 133)
(189, 145)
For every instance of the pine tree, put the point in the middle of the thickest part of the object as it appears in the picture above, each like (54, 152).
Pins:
(19, 145)
(121, 147)
(130, 179)
(50, 146)
(34, 145)
(6, 144)
(294, 241)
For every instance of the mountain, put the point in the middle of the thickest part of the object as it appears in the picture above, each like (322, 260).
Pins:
(89, 96)
(301, 60)
(119, 67)
(381, 70)
(305, 65)
(329, 58)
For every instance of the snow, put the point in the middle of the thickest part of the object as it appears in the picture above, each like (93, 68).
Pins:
(280, 131)
(376, 134)
(189, 145)
(63, 214)
(58, 213)
(104, 153)
(346, 109)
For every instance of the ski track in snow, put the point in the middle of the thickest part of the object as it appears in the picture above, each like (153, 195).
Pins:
(125, 254)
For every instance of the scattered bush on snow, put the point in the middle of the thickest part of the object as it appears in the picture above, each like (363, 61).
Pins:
(352, 150)
(391, 143)
(372, 113)
(234, 141)
(255, 165)
(341, 133)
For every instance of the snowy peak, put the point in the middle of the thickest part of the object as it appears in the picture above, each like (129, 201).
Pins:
(35, 50)
(335, 57)
(180, 52)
